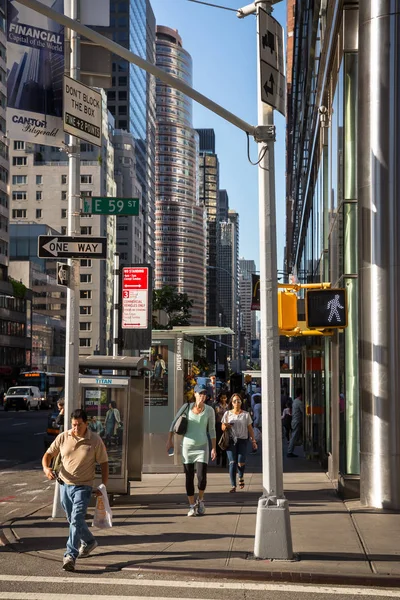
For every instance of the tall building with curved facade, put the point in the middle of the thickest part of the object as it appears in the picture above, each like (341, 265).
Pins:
(180, 219)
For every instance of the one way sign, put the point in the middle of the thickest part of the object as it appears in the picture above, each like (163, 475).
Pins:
(273, 90)
(62, 246)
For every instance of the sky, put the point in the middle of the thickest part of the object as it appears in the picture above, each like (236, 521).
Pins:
(224, 52)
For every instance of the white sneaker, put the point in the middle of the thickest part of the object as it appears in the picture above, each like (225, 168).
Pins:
(201, 509)
(192, 511)
(86, 549)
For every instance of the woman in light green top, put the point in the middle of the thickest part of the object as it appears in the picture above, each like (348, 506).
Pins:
(201, 420)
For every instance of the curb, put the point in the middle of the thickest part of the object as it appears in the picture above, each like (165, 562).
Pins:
(318, 578)
(383, 581)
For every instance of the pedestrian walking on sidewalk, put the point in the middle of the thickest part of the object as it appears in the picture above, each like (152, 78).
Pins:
(287, 420)
(195, 449)
(239, 424)
(80, 450)
(296, 439)
(220, 407)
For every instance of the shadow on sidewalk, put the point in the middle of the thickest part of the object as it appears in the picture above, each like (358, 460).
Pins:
(37, 544)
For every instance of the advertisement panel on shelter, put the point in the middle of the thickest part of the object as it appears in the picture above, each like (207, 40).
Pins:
(35, 69)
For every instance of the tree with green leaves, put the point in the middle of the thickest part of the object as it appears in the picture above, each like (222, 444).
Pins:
(175, 304)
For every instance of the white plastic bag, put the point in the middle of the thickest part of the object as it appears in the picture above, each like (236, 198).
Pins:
(102, 513)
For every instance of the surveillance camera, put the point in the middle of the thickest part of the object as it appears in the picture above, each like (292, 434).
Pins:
(322, 110)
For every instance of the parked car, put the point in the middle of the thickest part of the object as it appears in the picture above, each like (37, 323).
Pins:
(22, 398)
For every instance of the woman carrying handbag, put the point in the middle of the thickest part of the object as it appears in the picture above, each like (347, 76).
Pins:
(239, 424)
(200, 419)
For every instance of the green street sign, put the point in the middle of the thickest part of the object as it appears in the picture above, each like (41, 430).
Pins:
(110, 206)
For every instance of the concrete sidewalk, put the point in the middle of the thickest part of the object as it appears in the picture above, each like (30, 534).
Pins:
(334, 541)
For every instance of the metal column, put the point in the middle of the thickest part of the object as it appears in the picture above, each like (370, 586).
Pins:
(72, 316)
(379, 251)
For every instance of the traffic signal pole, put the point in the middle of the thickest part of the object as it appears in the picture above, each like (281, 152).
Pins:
(273, 537)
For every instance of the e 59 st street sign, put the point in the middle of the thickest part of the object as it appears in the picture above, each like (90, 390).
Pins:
(111, 206)
(62, 246)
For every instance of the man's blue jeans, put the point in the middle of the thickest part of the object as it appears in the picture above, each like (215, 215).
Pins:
(75, 500)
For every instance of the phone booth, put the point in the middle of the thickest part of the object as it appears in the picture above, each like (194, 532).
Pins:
(112, 392)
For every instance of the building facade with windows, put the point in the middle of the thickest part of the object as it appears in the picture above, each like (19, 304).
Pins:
(209, 197)
(181, 235)
(4, 157)
(130, 242)
(15, 301)
(342, 228)
(247, 316)
(132, 101)
(48, 299)
(229, 281)
(39, 194)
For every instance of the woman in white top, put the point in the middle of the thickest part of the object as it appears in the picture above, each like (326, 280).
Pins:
(239, 424)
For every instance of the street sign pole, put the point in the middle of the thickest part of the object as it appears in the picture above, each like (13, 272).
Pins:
(273, 534)
(72, 318)
(71, 400)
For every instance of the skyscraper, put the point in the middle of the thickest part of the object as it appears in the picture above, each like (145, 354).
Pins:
(228, 278)
(248, 316)
(223, 205)
(132, 101)
(180, 219)
(209, 197)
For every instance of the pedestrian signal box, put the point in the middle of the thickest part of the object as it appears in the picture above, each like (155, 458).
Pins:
(326, 309)
(287, 310)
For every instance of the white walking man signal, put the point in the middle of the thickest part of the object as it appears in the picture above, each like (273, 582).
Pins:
(333, 306)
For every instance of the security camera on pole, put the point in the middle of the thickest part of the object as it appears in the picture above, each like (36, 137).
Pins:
(273, 534)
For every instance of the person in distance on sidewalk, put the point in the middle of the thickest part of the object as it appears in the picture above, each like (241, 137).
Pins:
(239, 424)
(296, 439)
(195, 450)
(80, 450)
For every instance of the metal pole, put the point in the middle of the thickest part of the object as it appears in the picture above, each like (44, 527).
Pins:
(378, 253)
(72, 318)
(116, 305)
(72, 313)
(273, 535)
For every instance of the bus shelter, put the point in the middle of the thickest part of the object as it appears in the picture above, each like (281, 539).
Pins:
(168, 384)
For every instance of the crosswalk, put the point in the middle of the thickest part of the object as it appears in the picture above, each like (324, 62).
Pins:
(138, 588)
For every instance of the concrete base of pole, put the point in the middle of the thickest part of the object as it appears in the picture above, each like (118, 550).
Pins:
(58, 510)
(273, 535)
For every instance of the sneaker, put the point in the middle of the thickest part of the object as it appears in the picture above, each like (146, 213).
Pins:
(192, 511)
(201, 509)
(291, 455)
(86, 549)
(68, 563)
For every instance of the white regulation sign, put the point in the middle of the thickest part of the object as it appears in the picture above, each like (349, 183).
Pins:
(82, 111)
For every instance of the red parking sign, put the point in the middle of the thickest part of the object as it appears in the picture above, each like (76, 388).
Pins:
(135, 297)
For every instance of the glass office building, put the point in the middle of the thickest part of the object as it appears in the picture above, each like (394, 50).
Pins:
(132, 100)
(342, 228)
(181, 235)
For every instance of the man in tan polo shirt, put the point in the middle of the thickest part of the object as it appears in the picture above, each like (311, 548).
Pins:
(80, 450)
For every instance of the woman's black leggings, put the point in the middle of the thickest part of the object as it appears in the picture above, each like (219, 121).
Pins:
(201, 469)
